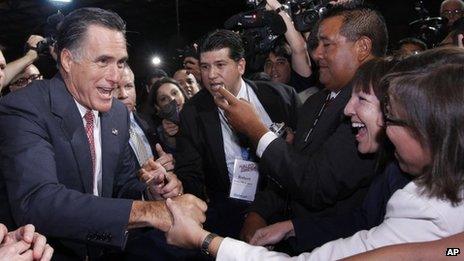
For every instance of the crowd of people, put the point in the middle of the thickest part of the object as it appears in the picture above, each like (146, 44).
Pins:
(342, 148)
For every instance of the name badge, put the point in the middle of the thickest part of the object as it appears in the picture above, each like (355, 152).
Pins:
(244, 180)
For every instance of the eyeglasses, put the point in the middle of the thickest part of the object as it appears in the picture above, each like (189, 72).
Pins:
(26, 80)
(449, 13)
(387, 118)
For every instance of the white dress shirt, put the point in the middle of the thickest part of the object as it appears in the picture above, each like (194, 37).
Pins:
(98, 150)
(232, 148)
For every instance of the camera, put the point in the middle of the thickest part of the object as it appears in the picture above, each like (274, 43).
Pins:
(431, 30)
(258, 29)
(305, 13)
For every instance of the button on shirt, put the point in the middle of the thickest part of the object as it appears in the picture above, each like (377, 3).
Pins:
(232, 148)
(98, 151)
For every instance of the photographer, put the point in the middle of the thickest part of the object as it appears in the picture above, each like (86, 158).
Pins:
(16, 67)
(290, 63)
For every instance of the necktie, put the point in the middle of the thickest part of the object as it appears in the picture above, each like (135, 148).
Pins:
(89, 122)
(326, 104)
(138, 145)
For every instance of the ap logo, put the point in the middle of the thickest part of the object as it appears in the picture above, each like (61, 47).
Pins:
(452, 251)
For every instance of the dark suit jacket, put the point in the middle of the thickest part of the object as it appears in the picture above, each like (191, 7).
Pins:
(200, 159)
(313, 232)
(323, 175)
(47, 171)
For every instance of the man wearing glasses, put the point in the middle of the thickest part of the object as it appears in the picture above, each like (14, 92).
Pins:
(21, 80)
(451, 10)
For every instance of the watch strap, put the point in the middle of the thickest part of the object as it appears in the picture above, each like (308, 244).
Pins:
(206, 242)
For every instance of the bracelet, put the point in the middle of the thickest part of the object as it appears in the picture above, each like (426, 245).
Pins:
(206, 242)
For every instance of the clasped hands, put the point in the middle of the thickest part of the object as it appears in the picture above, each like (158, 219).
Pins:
(23, 244)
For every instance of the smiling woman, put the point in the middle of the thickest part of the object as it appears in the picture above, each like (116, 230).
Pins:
(364, 105)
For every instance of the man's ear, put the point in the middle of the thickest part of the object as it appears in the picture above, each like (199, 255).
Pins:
(363, 48)
(66, 60)
(241, 66)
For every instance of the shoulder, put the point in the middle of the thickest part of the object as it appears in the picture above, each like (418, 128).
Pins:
(273, 86)
(412, 201)
(34, 96)
(200, 101)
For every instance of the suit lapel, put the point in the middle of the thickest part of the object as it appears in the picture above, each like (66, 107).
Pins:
(268, 100)
(331, 115)
(110, 151)
(63, 107)
(209, 116)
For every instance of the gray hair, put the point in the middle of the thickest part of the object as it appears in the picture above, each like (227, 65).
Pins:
(72, 29)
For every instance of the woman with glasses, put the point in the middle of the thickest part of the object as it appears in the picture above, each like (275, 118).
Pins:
(424, 119)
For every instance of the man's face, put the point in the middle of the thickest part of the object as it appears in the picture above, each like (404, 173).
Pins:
(278, 68)
(93, 76)
(2, 68)
(335, 54)
(452, 10)
(125, 92)
(218, 69)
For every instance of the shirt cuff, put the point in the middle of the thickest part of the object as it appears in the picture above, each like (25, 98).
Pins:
(265, 140)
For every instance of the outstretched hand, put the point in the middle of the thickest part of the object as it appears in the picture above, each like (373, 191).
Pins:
(186, 230)
(241, 115)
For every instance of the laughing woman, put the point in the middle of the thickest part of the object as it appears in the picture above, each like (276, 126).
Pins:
(365, 112)
(424, 119)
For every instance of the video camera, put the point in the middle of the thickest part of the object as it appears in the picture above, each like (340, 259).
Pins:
(49, 32)
(260, 28)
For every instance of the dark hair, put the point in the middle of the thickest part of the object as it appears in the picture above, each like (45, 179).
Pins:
(431, 103)
(156, 73)
(220, 39)
(73, 28)
(282, 49)
(431, 58)
(153, 94)
(412, 40)
(369, 75)
(361, 20)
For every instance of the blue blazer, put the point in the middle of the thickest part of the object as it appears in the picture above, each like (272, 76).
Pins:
(46, 169)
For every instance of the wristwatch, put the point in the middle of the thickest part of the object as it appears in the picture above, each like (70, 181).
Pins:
(206, 242)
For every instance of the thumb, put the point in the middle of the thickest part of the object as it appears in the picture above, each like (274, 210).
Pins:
(159, 150)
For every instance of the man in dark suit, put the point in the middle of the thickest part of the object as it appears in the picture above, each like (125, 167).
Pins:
(65, 157)
(322, 173)
(207, 147)
(144, 141)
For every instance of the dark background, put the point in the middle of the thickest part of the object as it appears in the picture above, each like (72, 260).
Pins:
(152, 27)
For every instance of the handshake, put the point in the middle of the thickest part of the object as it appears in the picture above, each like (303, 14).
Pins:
(184, 214)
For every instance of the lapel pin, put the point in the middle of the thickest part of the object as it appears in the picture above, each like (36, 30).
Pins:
(114, 131)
